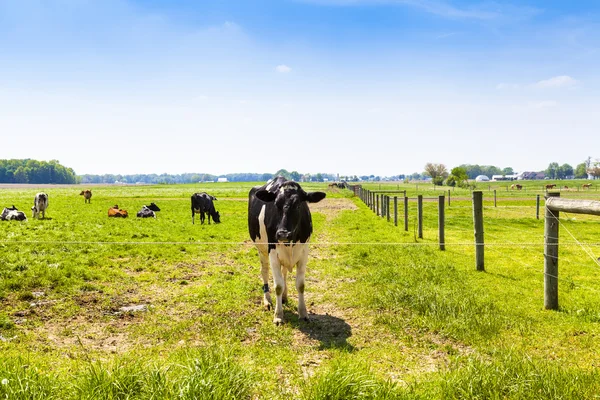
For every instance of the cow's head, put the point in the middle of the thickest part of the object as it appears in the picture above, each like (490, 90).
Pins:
(216, 217)
(288, 201)
(153, 207)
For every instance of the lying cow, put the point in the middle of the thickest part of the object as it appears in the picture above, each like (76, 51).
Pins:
(11, 213)
(148, 211)
(40, 203)
(87, 196)
(280, 226)
(116, 212)
(203, 203)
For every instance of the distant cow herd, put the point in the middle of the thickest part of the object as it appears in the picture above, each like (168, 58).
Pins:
(202, 203)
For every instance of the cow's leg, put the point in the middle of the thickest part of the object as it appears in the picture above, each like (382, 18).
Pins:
(284, 295)
(192, 216)
(279, 286)
(300, 272)
(201, 217)
(264, 271)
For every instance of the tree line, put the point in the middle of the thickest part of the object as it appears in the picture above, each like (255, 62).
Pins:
(459, 176)
(33, 171)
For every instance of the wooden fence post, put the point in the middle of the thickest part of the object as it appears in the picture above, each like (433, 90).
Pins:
(387, 207)
(551, 257)
(395, 210)
(478, 225)
(537, 207)
(441, 218)
(420, 215)
(494, 197)
(377, 195)
(405, 213)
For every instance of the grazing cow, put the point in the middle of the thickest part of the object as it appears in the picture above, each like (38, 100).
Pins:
(280, 226)
(40, 203)
(519, 187)
(11, 213)
(87, 195)
(148, 211)
(586, 185)
(116, 212)
(550, 186)
(203, 203)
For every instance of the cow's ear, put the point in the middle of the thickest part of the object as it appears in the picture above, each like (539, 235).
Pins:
(266, 196)
(315, 197)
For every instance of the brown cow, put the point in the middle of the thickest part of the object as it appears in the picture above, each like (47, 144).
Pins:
(586, 185)
(116, 212)
(550, 186)
(87, 195)
(519, 187)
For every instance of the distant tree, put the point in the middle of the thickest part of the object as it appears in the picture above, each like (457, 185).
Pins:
(458, 177)
(581, 171)
(319, 177)
(507, 171)
(295, 175)
(20, 175)
(564, 171)
(552, 170)
(437, 172)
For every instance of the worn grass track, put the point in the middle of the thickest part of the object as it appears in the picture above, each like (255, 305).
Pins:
(392, 318)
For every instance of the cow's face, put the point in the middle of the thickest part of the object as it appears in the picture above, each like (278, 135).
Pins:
(4, 214)
(216, 217)
(288, 203)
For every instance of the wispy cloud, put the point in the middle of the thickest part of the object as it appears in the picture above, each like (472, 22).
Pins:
(283, 69)
(480, 11)
(508, 86)
(562, 81)
(446, 35)
(544, 104)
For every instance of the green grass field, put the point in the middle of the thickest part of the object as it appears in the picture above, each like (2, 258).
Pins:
(392, 317)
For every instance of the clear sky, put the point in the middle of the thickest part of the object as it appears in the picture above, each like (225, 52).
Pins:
(337, 86)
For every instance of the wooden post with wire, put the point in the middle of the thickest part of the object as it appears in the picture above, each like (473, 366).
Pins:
(495, 198)
(537, 207)
(387, 207)
(406, 213)
(551, 256)
(478, 225)
(554, 205)
(441, 222)
(420, 215)
(395, 210)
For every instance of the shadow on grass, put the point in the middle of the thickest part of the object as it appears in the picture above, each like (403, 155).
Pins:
(332, 332)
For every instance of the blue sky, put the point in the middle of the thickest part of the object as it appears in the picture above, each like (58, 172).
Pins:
(338, 86)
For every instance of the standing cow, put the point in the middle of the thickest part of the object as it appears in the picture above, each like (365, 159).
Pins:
(87, 195)
(203, 203)
(40, 203)
(280, 226)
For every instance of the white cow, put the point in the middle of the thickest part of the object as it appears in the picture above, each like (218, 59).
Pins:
(40, 203)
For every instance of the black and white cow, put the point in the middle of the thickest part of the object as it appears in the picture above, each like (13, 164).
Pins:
(148, 211)
(40, 203)
(280, 225)
(11, 213)
(203, 203)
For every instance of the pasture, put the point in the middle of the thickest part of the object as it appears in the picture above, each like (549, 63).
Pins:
(99, 308)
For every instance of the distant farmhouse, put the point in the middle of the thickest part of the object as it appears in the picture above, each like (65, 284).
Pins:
(531, 175)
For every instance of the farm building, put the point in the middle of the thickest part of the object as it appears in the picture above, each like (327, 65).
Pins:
(482, 178)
